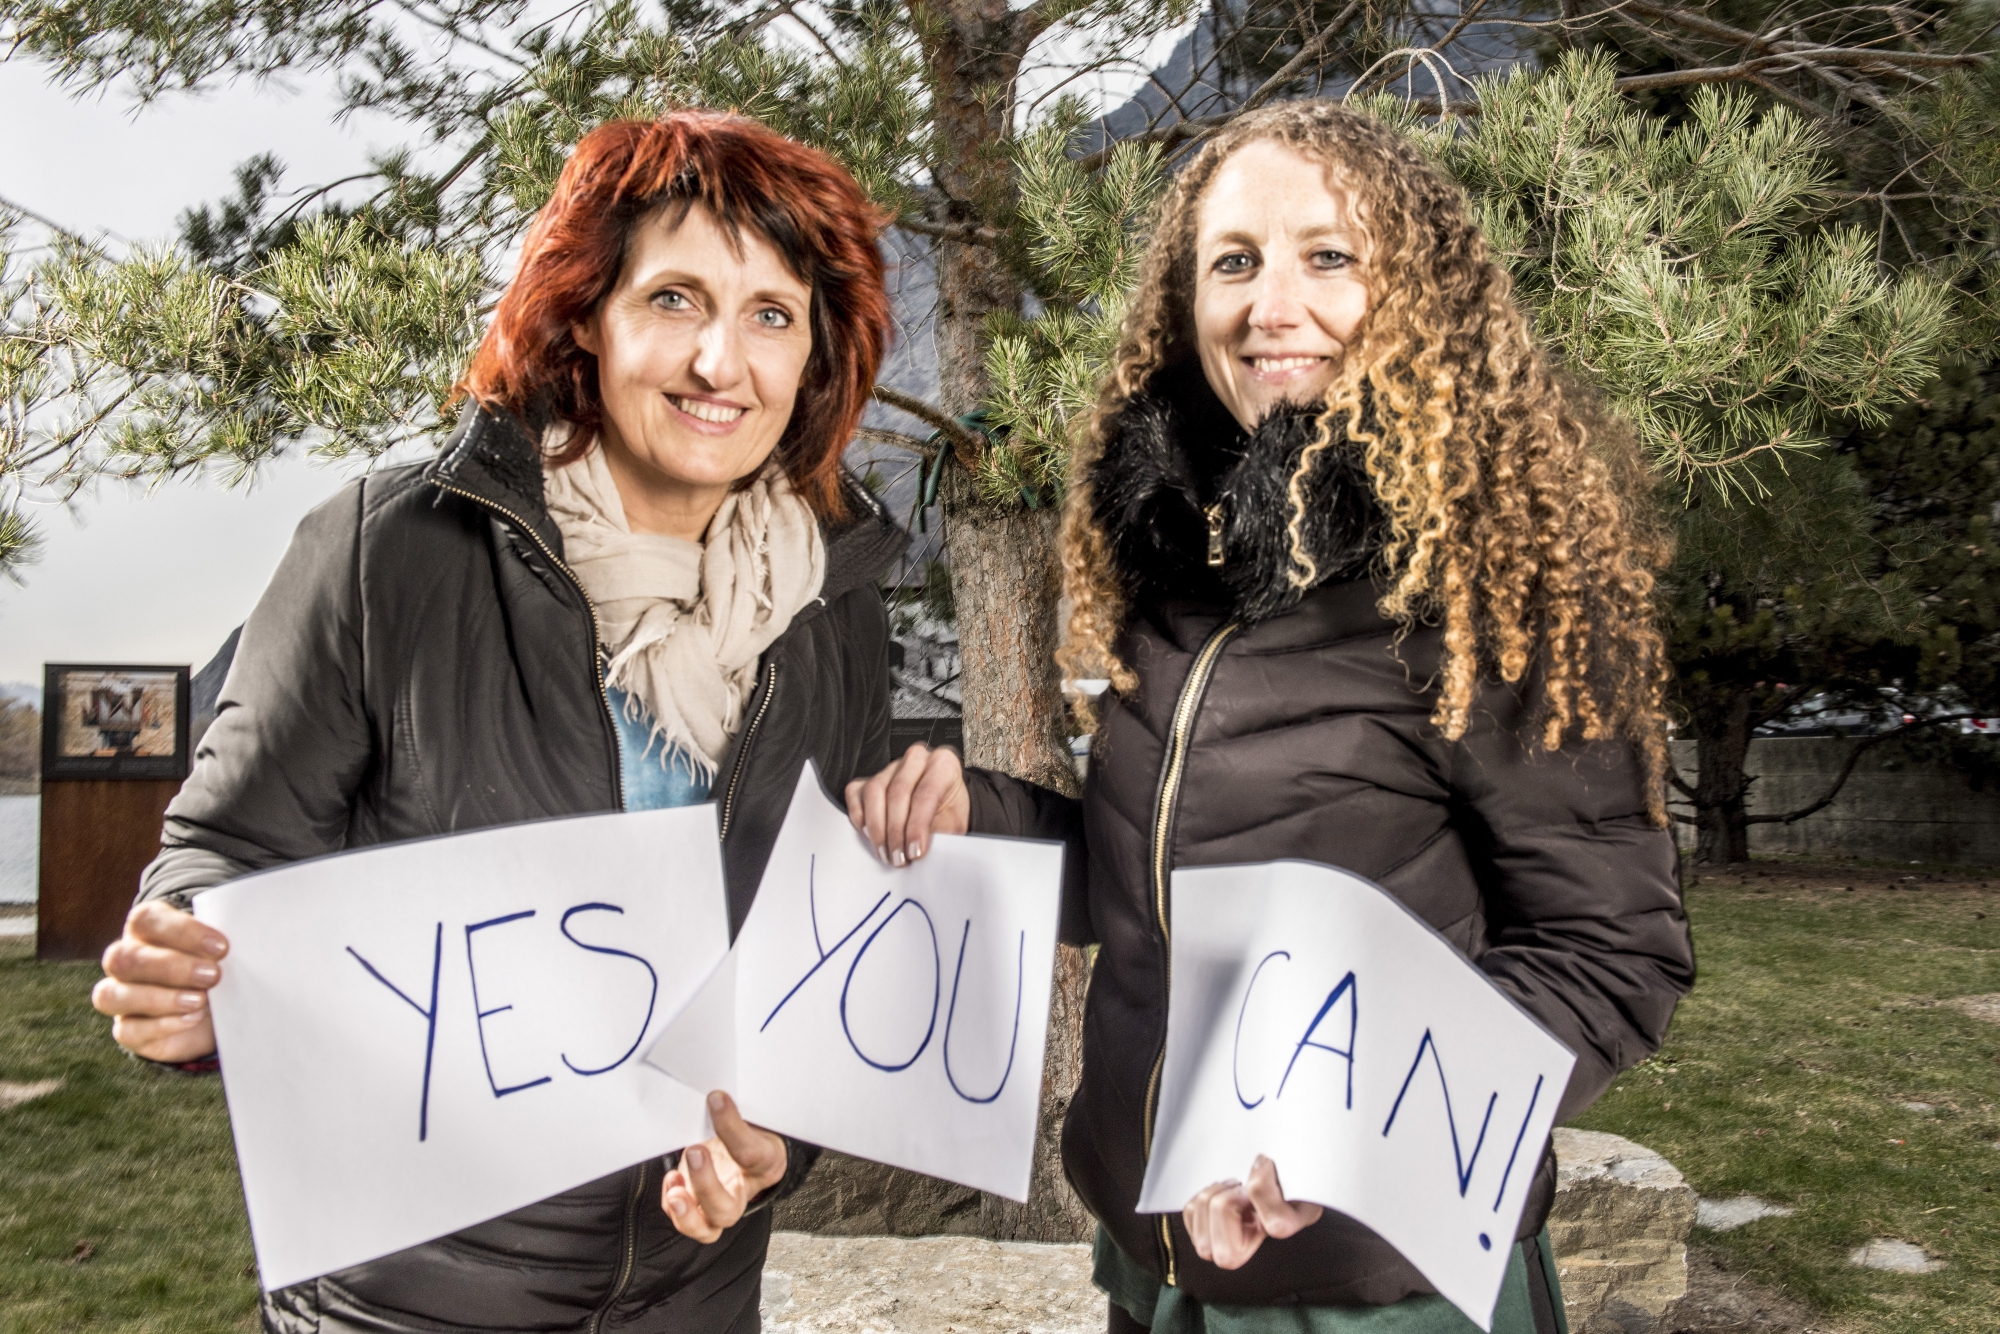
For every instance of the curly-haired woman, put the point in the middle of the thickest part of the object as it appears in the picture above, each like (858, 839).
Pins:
(1367, 594)
(635, 576)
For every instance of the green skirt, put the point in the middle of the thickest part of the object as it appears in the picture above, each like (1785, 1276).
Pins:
(1168, 1310)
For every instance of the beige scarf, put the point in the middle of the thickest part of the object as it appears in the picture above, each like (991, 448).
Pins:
(686, 622)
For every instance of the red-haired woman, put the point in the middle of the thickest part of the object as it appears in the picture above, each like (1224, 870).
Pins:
(636, 575)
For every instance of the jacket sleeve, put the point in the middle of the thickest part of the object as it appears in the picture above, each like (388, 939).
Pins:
(1585, 926)
(1015, 808)
(276, 774)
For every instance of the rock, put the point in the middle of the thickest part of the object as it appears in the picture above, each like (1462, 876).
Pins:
(851, 1197)
(1728, 1215)
(1920, 1108)
(1898, 1257)
(13, 1095)
(927, 1285)
(1619, 1228)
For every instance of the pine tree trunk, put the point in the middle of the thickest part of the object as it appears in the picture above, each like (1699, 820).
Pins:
(1006, 579)
(1722, 785)
(1005, 571)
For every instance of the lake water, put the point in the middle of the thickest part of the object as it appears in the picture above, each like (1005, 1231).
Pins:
(20, 847)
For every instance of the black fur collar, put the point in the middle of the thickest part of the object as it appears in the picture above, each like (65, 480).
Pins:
(1174, 452)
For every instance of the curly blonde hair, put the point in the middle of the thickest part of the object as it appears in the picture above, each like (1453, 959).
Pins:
(1516, 514)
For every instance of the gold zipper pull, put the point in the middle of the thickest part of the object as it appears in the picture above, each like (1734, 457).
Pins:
(1215, 535)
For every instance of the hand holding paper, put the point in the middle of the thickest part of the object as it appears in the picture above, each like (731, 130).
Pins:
(718, 1178)
(1230, 1220)
(1318, 1024)
(895, 1014)
(421, 1037)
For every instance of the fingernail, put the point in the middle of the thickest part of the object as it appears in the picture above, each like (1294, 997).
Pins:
(881, 853)
(215, 945)
(916, 850)
(717, 1101)
(191, 1000)
(898, 858)
(206, 972)
(695, 1159)
(678, 1206)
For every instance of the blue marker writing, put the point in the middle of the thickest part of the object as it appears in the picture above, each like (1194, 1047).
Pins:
(482, 1015)
(430, 1021)
(652, 996)
(1464, 1166)
(1020, 986)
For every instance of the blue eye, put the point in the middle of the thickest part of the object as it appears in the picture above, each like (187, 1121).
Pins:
(1237, 262)
(671, 299)
(1332, 259)
(773, 318)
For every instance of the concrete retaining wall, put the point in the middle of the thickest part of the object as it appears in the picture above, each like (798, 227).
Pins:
(1883, 814)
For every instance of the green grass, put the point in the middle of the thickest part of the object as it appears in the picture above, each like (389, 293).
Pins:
(134, 1162)
(1817, 1014)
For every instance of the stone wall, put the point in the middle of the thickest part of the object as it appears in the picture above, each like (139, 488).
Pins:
(1903, 814)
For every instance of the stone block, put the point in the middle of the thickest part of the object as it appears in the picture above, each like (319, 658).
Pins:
(1619, 1229)
(927, 1285)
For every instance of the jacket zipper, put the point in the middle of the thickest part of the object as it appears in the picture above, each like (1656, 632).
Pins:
(1215, 556)
(596, 627)
(631, 1248)
(1185, 709)
(743, 753)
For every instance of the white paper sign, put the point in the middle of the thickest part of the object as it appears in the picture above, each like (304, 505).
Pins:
(895, 1014)
(1317, 1021)
(420, 1037)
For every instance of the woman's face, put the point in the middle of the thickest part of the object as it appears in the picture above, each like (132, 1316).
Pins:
(1280, 280)
(699, 347)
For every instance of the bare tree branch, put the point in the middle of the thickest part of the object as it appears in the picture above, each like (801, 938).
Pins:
(969, 444)
(969, 232)
(875, 435)
(1854, 756)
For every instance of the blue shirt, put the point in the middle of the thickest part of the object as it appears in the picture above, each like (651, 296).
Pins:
(654, 779)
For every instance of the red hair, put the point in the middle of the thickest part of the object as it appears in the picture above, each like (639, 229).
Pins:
(794, 197)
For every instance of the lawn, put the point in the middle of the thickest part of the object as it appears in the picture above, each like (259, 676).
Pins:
(1818, 1016)
(119, 1208)
(1816, 1019)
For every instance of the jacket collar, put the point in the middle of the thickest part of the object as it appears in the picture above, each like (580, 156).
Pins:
(1174, 462)
(491, 458)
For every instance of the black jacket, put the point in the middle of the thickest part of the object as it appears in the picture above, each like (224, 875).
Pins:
(1270, 723)
(423, 663)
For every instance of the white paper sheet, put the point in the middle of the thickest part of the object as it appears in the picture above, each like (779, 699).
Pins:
(894, 1014)
(420, 1037)
(1317, 1021)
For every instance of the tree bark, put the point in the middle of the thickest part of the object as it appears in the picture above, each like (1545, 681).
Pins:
(1722, 785)
(1005, 573)
(1006, 579)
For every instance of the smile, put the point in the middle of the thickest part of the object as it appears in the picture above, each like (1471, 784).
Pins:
(701, 410)
(1279, 365)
